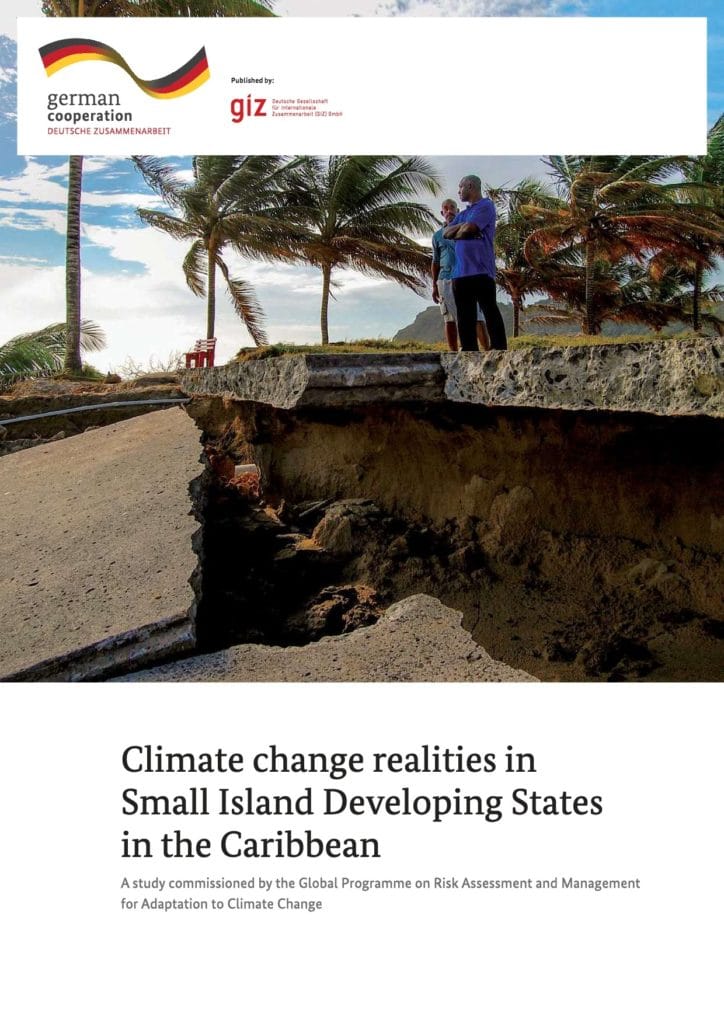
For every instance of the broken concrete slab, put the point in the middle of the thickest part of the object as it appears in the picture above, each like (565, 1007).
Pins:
(323, 380)
(667, 378)
(97, 541)
(528, 519)
(416, 640)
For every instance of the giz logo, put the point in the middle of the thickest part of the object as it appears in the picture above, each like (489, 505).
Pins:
(248, 106)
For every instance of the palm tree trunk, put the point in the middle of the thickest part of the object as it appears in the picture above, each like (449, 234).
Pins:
(588, 325)
(72, 362)
(516, 317)
(211, 296)
(326, 281)
(696, 300)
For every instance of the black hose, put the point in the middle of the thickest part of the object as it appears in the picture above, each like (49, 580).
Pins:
(87, 408)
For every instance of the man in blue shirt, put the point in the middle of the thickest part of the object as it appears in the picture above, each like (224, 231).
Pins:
(473, 232)
(443, 265)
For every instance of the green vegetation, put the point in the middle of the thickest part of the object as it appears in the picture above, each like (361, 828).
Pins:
(348, 212)
(234, 202)
(627, 238)
(704, 181)
(573, 340)
(610, 210)
(381, 346)
(86, 372)
(359, 212)
(363, 347)
(517, 277)
(156, 9)
(41, 353)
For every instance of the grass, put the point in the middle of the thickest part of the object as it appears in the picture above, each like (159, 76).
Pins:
(569, 340)
(362, 347)
(87, 373)
(381, 345)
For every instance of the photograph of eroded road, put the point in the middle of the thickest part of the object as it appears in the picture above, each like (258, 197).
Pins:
(551, 514)
(518, 479)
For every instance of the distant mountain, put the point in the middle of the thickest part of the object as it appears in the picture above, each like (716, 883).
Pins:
(8, 88)
(427, 325)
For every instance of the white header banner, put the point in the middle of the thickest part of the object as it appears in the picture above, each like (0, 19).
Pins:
(469, 86)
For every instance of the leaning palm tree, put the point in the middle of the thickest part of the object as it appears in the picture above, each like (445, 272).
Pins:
(232, 202)
(573, 301)
(613, 207)
(39, 353)
(662, 292)
(515, 274)
(118, 9)
(654, 293)
(704, 185)
(156, 9)
(360, 212)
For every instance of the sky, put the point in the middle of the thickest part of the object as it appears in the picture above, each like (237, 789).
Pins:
(132, 280)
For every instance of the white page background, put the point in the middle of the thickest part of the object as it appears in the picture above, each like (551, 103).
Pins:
(654, 954)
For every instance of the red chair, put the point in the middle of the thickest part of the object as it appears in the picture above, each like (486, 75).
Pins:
(202, 353)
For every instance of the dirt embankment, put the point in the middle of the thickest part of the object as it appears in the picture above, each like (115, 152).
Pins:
(577, 545)
(53, 399)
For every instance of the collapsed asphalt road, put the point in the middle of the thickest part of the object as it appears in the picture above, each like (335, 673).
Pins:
(96, 535)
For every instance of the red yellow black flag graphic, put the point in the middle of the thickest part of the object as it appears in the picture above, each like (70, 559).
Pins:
(190, 76)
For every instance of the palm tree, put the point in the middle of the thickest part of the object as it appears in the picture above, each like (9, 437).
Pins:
(516, 275)
(38, 353)
(705, 185)
(612, 207)
(662, 292)
(655, 293)
(72, 361)
(359, 212)
(573, 302)
(118, 9)
(234, 202)
(156, 9)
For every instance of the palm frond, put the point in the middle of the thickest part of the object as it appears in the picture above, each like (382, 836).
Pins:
(158, 8)
(195, 266)
(162, 178)
(253, 182)
(174, 226)
(246, 306)
(41, 352)
(201, 8)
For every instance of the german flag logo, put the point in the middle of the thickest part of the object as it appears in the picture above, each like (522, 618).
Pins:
(190, 76)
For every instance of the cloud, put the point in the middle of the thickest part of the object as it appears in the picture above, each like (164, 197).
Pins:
(474, 8)
(153, 313)
(34, 185)
(46, 183)
(429, 8)
(95, 164)
(35, 199)
(348, 281)
(139, 244)
(29, 218)
(150, 311)
(24, 260)
(148, 318)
